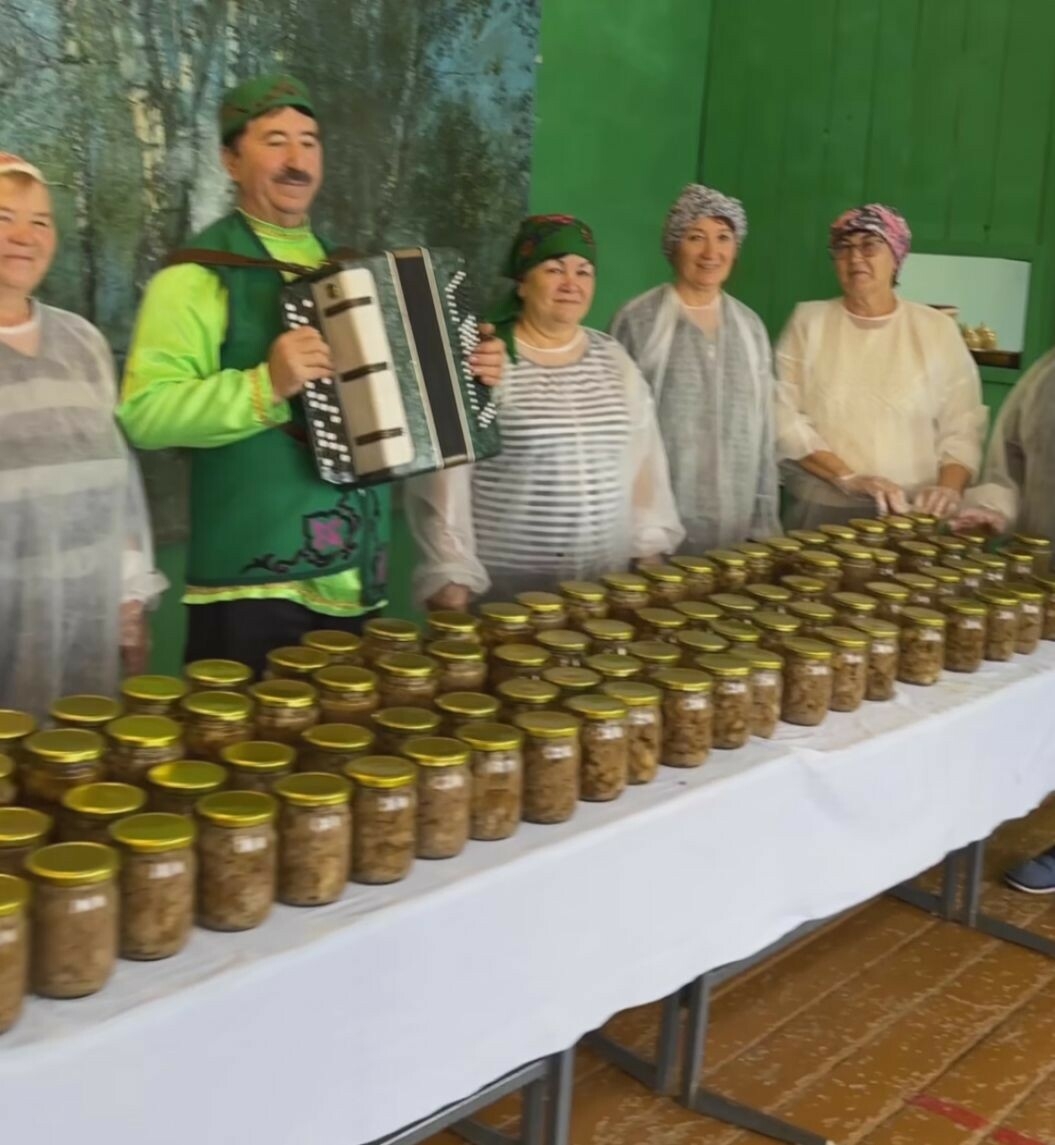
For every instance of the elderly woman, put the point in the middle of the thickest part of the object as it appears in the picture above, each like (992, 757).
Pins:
(879, 400)
(581, 486)
(708, 361)
(76, 567)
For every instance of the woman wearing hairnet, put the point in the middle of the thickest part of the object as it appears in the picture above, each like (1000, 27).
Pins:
(76, 562)
(707, 359)
(879, 401)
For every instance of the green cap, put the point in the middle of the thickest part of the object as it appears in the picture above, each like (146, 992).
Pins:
(254, 97)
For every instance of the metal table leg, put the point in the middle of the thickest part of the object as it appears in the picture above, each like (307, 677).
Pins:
(561, 1084)
(943, 903)
(971, 913)
(659, 1074)
(546, 1118)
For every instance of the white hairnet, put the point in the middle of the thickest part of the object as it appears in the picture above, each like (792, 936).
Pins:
(697, 201)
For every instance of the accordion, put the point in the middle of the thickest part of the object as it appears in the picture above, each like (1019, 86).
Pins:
(402, 399)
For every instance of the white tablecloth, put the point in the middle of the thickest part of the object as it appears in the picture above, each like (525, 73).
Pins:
(343, 1023)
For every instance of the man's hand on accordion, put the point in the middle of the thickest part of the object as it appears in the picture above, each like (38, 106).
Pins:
(296, 357)
(488, 360)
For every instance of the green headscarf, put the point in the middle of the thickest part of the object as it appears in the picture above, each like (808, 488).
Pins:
(539, 237)
(254, 97)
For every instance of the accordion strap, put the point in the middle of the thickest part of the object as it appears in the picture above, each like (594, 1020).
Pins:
(203, 257)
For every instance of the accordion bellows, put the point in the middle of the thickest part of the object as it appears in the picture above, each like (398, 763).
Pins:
(402, 399)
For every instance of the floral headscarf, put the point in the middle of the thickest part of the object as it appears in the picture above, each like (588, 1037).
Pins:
(697, 201)
(874, 219)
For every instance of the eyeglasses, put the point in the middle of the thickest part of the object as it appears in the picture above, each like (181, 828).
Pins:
(869, 247)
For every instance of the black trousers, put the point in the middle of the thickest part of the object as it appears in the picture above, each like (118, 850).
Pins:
(246, 630)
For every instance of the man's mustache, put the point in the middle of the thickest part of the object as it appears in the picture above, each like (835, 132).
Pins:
(295, 177)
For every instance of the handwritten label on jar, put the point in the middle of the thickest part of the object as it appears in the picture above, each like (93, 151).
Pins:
(325, 823)
(498, 764)
(393, 802)
(91, 902)
(931, 635)
(767, 679)
(883, 649)
(974, 625)
(695, 703)
(817, 669)
(246, 845)
(641, 717)
(448, 782)
(853, 658)
(610, 731)
(169, 870)
(1030, 609)
(733, 688)
(7, 937)
(558, 751)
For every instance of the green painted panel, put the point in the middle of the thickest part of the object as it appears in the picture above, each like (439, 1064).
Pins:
(890, 145)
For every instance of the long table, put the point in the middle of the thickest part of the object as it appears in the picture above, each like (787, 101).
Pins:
(348, 1022)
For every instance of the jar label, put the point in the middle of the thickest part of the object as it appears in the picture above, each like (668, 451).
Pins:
(973, 625)
(1030, 609)
(853, 658)
(7, 937)
(610, 731)
(641, 717)
(498, 763)
(393, 802)
(817, 669)
(169, 870)
(325, 823)
(884, 649)
(767, 678)
(447, 781)
(558, 751)
(1005, 614)
(247, 844)
(931, 635)
(733, 687)
(696, 703)
(89, 902)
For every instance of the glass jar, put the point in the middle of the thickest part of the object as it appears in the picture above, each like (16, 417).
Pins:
(255, 765)
(922, 646)
(666, 585)
(1038, 549)
(973, 571)
(994, 568)
(213, 721)
(22, 831)
(573, 681)
(964, 634)
(329, 747)
(627, 592)
(948, 581)
(951, 546)
(462, 665)
(770, 597)
(701, 576)
(882, 657)
(658, 624)
(237, 859)
(899, 528)
(502, 623)
(766, 684)
(74, 918)
(923, 524)
(517, 696)
(922, 590)
(153, 695)
(314, 838)
(604, 745)
(551, 766)
(446, 624)
(809, 538)
(459, 708)
(347, 695)
(775, 627)
(545, 610)
(913, 554)
(158, 871)
(838, 534)
(1031, 608)
(1019, 564)
(395, 727)
(384, 817)
(1047, 583)
(610, 666)
(655, 654)
(732, 568)
(892, 597)
(90, 712)
(699, 614)
(175, 788)
(644, 727)
(14, 949)
(519, 662)
(849, 666)
(813, 616)
(567, 649)
(784, 550)
(217, 676)
(869, 531)
(858, 566)
(610, 635)
(285, 709)
(584, 600)
(886, 564)
(692, 644)
(822, 565)
(687, 716)
(8, 782)
(760, 561)
(737, 632)
(808, 681)
(735, 605)
(337, 646)
(804, 587)
(445, 794)
(1001, 630)
(54, 761)
(89, 811)
(731, 699)
(136, 743)
(497, 764)
(295, 662)
(850, 606)
(975, 538)
(384, 634)
(406, 679)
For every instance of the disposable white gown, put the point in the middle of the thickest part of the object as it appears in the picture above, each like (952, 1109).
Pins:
(714, 400)
(894, 397)
(74, 531)
(581, 485)
(1018, 479)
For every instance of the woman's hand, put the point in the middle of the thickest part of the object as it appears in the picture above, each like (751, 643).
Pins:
(938, 500)
(888, 496)
(455, 597)
(488, 360)
(979, 518)
(134, 638)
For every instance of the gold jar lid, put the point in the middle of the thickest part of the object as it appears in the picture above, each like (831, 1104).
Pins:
(803, 585)
(227, 707)
(237, 808)
(843, 534)
(452, 651)
(889, 590)
(346, 679)
(885, 558)
(923, 617)
(153, 832)
(1026, 591)
(963, 606)
(917, 582)
(819, 559)
(724, 666)
(73, 864)
(876, 628)
(919, 549)
(633, 694)
(771, 621)
(452, 623)
(843, 637)
(297, 658)
(810, 538)
(899, 525)
(1032, 542)
(683, 680)
(868, 526)
(259, 755)
(760, 659)
(332, 642)
(7, 766)
(596, 706)
(783, 546)
(407, 666)
(663, 574)
(977, 537)
(382, 772)
(313, 789)
(736, 631)
(548, 725)
(291, 694)
(563, 640)
(1018, 558)
(998, 597)
(222, 675)
(154, 689)
(733, 602)
(406, 720)
(854, 554)
(609, 630)
(392, 628)
(951, 546)
(537, 692)
(698, 611)
(69, 745)
(699, 642)
(104, 800)
(625, 582)
(14, 895)
(187, 776)
(22, 825)
(147, 731)
(573, 679)
(15, 725)
(436, 751)
(86, 711)
(815, 611)
(667, 619)
(754, 550)
(769, 595)
(467, 705)
(512, 615)
(1045, 580)
(969, 566)
(611, 666)
(923, 520)
(807, 649)
(521, 655)
(855, 602)
(727, 558)
(484, 735)
(985, 561)
(693, 565)
(541, 603)
(941, 574)
(655, 651)
(587, 591)
(338, 737)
